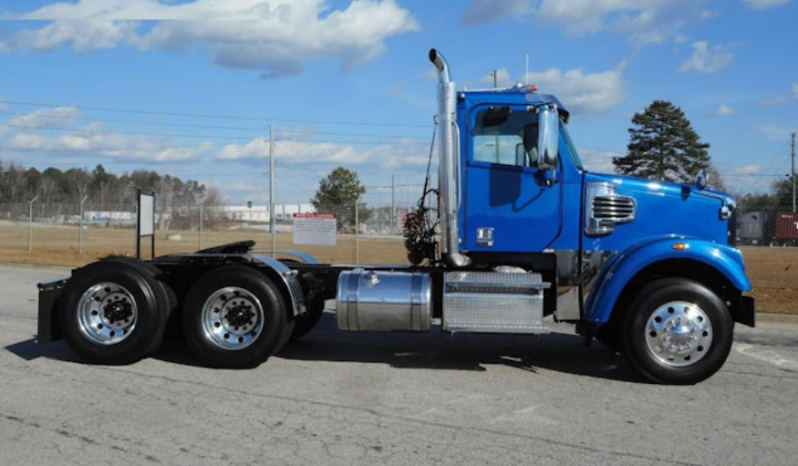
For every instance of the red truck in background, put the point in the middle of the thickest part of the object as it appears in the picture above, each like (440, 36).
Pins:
(786, 229)
(760, 227)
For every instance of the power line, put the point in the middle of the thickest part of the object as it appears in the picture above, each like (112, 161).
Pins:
(70, 118)
(107, 131)
(220, 117)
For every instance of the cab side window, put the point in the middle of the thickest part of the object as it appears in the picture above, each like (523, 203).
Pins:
(505, 137)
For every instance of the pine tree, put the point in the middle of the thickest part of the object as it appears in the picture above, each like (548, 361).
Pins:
(663, 146)
(338, 193)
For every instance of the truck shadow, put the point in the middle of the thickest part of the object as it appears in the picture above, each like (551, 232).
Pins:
(30, 350)
(557, 351)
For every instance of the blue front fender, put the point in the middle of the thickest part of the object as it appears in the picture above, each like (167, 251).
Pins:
(621, 269)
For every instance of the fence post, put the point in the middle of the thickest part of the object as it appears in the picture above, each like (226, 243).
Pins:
(30, 223)
(80, 226)
(201, 213)
(357, 235)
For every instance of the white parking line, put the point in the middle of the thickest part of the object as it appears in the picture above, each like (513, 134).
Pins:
(769, 356)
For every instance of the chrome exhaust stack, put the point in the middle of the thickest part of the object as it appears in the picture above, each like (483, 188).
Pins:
(448, 164)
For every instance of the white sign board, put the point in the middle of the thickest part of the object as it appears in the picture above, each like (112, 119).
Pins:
(314, 229)
(147, 215)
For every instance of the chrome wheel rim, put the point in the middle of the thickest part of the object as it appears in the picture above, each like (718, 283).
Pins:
(679, 333)
(232, 318)
(107, 313)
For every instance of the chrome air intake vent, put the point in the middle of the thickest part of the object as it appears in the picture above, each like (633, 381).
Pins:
(606, 209)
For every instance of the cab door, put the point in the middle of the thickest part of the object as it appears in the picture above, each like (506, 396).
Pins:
(510, 204)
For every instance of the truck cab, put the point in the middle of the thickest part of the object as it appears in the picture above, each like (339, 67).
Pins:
(604, 243)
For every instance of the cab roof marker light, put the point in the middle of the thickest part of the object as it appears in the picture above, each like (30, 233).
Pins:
(681, 246)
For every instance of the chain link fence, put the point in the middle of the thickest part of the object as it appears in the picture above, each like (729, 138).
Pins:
(760, 225)
(35, 224)
(377, 238)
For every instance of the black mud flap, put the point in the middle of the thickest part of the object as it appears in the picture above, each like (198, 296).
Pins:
(746, 311)
(49, 292)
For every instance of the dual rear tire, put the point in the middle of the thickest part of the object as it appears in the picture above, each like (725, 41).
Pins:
(235, 317)
(116, 311)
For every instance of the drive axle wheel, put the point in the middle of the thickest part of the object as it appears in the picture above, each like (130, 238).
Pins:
(234, 316)
(677, 332)
(107, 313)
(114, 311)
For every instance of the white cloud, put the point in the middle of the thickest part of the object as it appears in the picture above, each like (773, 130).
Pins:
(706, 59)
(778, 100)
(26, 142)
(775, 133)
(764, 4)
(502, 79)
(582, 92)
(782, 99)
(492, 11)
(725, 110)
(255, 148)
(597, 160)
(56, 117)
(275, 36)
(647, 22)
(84, 35)
(748, 169)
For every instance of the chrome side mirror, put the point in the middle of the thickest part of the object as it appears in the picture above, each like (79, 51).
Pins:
(548, 137)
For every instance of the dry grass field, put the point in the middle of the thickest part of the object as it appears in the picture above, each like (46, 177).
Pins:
(773, 271)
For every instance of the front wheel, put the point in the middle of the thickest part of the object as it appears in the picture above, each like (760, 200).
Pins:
(677, 331)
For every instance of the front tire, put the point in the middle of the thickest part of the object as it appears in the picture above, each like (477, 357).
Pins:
(234, 317)
(677, 331)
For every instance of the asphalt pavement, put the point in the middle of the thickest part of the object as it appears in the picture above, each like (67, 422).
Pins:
(338, 398)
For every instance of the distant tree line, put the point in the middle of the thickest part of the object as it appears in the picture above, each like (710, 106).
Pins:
(59, 192)
(781, 199)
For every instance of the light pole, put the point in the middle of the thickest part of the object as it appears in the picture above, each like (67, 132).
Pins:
(30, 223)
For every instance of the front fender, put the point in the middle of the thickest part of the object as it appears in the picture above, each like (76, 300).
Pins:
(621, 269)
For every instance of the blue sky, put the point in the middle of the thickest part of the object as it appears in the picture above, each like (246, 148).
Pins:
(192, 87)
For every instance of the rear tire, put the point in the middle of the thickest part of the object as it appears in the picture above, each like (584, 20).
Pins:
(234, 317)
(114, 311)
(677, 331)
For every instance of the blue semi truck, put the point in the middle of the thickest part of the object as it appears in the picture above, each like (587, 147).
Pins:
(517, 233)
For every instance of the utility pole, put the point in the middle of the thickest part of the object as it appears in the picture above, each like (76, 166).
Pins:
(793, 172)
(271, 190)
(393, 205)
